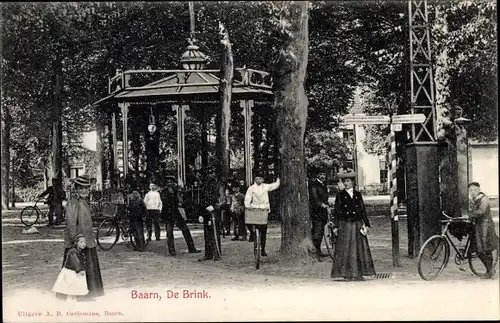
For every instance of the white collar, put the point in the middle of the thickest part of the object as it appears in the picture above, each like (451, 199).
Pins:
(319, 181)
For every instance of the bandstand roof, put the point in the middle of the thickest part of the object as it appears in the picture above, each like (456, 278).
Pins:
(186, 85)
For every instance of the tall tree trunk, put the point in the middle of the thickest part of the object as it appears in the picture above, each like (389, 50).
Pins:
(57, 123)
(448, 167)
(6, 126)
(224, 120)
(291, 105)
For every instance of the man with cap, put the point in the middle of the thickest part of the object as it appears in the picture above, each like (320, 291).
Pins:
(485, 239)
(55, 197)
(212, 204)
(352, 259)
(171, 215)
(318, 208)
(257, 196)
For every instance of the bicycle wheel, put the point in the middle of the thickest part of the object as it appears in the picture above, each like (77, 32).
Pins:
(256, 248)
(433, 257)
(108, 234)
(94, 211)
(30, 215)
(329, 238)
(217, 251)
(477, 266)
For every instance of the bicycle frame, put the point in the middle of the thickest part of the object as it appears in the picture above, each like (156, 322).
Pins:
(446, 236)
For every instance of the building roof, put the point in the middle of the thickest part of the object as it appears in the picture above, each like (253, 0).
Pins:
(186, 85)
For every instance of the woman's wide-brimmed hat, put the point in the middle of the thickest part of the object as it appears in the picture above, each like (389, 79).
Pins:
(83, 180)
(78, 236)
(351, 174)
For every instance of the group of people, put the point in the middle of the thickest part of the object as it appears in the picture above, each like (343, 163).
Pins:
(80, 276)
(352, 258)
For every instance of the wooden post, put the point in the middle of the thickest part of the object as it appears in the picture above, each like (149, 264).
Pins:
(393, 180)
(247, 112)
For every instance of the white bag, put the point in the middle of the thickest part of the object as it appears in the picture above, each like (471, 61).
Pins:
(70, 282)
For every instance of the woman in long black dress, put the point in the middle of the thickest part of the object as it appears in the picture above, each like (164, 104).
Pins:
(79, 221)
(352, 259)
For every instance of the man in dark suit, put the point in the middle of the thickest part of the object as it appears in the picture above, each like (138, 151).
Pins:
(172, 216)
(318, 208)
(212, 204)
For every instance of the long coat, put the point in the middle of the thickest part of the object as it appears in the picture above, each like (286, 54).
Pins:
(78, 220)
(485, 238)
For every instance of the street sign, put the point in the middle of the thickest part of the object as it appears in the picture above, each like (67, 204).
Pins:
(365, 119)
(397, 126)
(408, 118)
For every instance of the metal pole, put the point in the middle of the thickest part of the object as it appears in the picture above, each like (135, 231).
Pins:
(192, 18)
(393, 182)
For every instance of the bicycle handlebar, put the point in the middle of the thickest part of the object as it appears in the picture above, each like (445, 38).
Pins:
(453, 219)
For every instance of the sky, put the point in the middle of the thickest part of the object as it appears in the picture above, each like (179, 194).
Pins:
(89, 140)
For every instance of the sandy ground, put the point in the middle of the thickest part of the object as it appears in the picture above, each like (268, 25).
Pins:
(236, 290)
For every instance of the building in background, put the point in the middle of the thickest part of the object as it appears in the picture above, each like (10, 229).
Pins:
(483, 166)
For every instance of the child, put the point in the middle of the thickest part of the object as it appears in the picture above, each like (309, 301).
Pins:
(238, 213)
(72, 280)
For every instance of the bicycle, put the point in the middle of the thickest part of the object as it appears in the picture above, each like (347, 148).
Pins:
(329, 235)
(253, 217)
(112, 227)
(31, 214)
(439, 245)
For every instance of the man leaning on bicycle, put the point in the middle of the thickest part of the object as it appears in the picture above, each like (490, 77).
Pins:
(485, 239)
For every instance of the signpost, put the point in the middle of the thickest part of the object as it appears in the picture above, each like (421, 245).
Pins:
(396, 123)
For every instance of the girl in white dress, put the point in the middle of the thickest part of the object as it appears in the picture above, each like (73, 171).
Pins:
(72, 280)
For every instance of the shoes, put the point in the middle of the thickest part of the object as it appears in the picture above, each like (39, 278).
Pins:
(359, 279)
(235, 239)
(195, 251)
(216, 259)
(204, 258)
(263, 253)
(321, 255)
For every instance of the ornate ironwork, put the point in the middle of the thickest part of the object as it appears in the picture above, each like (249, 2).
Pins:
(422, 99)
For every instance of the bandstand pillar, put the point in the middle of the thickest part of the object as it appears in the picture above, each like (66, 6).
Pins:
(115, 152)
(180, 115)
(247, 112)
(124, 110)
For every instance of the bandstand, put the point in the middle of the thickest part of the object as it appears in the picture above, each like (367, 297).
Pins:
(190, 91)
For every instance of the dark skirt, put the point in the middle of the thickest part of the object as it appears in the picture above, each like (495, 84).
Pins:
(92, 271)
(352, 256)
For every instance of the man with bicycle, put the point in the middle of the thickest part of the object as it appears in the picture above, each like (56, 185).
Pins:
(257, 197)
(56, 196)
(318, 206)
(485, 239)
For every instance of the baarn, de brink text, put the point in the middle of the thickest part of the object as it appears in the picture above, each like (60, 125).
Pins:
(169, 294)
